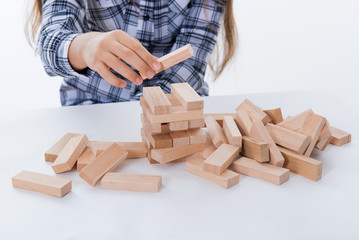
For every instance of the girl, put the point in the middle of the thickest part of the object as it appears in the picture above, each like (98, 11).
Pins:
(100, 47)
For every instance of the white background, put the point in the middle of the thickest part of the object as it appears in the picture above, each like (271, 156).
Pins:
(283, 45)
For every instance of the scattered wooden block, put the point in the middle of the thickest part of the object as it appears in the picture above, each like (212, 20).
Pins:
(104, 163)
(209, 148)
(220, 159)
(244, 122)
(302, 165)
(254, 112)
(296, 122)
(156, 100)
(69, 154)
(275, 115)
(166, 155)
(231, 131)
(288, 138)
(162, 140)
(52, 153)
(259, 132)
(219, 117)
(42, 183)
(324, 137)
(215, 132)
(196, 123)
(178, 126)
(227, 179)
(340, 137)
(134, 149)
(85, 158)
(264, 171)
(179, 139)
(196, 135)
(187, 96)
(312, 127)
(256, 150)
(131, 182)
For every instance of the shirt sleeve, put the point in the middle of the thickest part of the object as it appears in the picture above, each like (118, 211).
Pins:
(200, 29)
(62, 21)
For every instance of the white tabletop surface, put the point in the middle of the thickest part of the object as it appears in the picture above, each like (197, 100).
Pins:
(187, 207)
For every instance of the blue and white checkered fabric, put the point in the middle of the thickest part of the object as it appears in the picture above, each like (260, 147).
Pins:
(161, 26)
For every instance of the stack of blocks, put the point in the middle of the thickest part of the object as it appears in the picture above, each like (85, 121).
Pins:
(172, 123)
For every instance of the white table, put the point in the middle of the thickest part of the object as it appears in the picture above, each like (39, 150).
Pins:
(187, 207)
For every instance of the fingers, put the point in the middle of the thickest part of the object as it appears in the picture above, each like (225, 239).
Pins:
(141, 51)
(130, 57)
(105, 72)
(121, 68)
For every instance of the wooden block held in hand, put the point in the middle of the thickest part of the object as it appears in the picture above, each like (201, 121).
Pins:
(69, 154)
(178, 126)
(340, 137)
(187, 96)
(227, 179)
(131, 182)
(179, 138)
(288, 138)
(231, 131)
(264, 171)
(196, 135)
(302, 165)
(254, 112)
(170, 154)
(104, 163)
(254, 149)
(52, 153)
(275, 115)
(244, 122)
(259, 132)
(156, 100)
(215, 132)
(85, 158)
(42, 183)
(220, 159)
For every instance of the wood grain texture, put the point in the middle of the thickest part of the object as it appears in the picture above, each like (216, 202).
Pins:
(231, 131)
(179, 138)
(219, 117)
(196, 135)
(52, 153)
(156, 100)
(215, 132)
(85, 158)
(220, 159)
(162, 140)
(244, 122)
(254, 112)
(166, 155)
(324, 137)
(340, 137)
(178, 126)
(296, 122)
(254, 149)
(134, 149)
(187, 96)
(196, 123)
(275, 115)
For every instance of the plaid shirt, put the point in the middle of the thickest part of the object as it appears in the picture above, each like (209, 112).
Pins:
(161, 26)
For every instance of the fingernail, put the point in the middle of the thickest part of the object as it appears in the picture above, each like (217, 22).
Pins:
(150, 74)
(156, 66)
(122, 85)
(138, 81)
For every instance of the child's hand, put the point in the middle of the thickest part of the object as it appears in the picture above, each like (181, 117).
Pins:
(102, 51)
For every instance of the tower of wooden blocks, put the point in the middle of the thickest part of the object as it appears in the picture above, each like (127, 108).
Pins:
(172, 123)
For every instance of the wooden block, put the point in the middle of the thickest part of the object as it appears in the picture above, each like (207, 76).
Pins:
(162, 140)
(196, 135)
(288, 138)
(254, 112)
(131, 182)
(264, 171)
(42, 183)
(256, 150)
(85, 158)
(179, 138)
(340, 137)
(324, 137)
(220, 159)
(227, 179)
(187, 96)
(215, 132)
(259, 132)
(196, 123)
(69, 154)
(312, 127)
(165, 155)
(134, 149)
(52, 153)
(177, 113)
(302, 165)
(244, 122)
(178, 126)
(104, 163)
(156, 100)
(209, 148)
(296, 122)
(188, 158)
(172, 98)
(151, 127)
(231, 131)
(219, 117)
(275, 115)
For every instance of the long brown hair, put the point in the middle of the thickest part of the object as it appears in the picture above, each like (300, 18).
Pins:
(222, 53)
